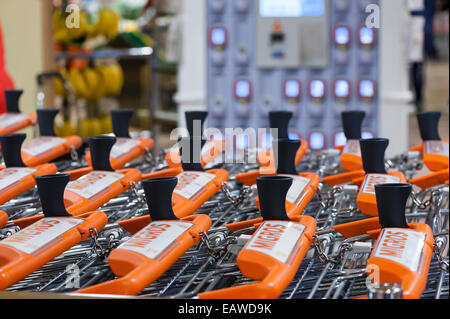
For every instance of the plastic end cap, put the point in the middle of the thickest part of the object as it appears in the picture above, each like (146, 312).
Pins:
(100, 147)
(12, 100)
(51, 194)
(284, 154)
(280, 120)
(372, 153)
(429, 125)
(11, 149)
(391, 203)
(121, 122)
(272, 191)
(158, 192)
(352, 123)
(46, 121)
(195, 116)
(190, 152)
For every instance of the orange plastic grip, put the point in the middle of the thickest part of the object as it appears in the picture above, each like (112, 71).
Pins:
(293, 209)
(25, 121)
(273, 265)
(392, 263)
(126, 155)
(31, 248)
(209, 152)
(266, 158)
(61, 148)
(366, 199)
(22, 185)
(3, 218)
(430, 180)
(78, 204)
(185, 205)
(138, 265)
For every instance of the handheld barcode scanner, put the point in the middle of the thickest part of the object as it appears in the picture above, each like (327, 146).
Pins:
(16, 178)
(155, 246)
(48, 147)
(372, 152)
(351, 152)
(126, 149)
(402, 253)
(195, 186)
(274, 252)
(13, 120)
(279, 120)
(304, 185)
(97, 187)
(32, 247)
(434, 149)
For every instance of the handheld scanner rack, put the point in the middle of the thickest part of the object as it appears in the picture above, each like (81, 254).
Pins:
(13, 120)
(29, 249)
(279, 120)
(210, 150)
(304, 185)
(276, 249)
(351, 152)
(98, 186)
(126, 149)
(434, 149)
(48, 146)
(155, 245)
(403, 252)
(16, 178)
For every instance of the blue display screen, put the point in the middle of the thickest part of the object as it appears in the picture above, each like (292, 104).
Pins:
(366, 89)
(291, 8)
(292, 89)
(366, 36)
(317, 141)
(293, 136)
(342, 35)
(341, 88)
(317, 88)
(218, 36)
(242, 89)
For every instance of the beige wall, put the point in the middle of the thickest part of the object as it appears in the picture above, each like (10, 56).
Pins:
(22, 33)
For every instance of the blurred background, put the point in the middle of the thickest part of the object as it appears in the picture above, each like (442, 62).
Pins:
(149, 55)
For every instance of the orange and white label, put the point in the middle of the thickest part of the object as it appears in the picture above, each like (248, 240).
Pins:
(276, 239)
(403, 246)
(41, 145)
(11, 175)
(10, 119)
(93, 183)
(296, 191)
(190, 183)
(375, 179)
(352, 147)
(155, 238)
(40, 234)
(123, 146)
(436, 147)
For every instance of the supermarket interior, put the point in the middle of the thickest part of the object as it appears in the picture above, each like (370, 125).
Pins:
(224, 149)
